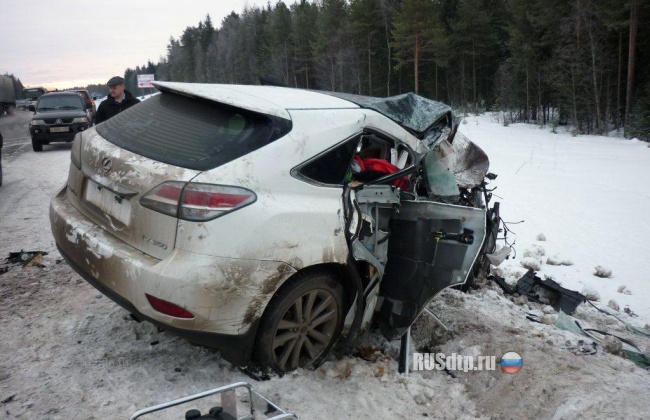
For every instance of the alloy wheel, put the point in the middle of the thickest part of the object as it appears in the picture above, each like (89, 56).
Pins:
(305, 330)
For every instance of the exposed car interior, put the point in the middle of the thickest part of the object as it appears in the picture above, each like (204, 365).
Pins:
(415, 223)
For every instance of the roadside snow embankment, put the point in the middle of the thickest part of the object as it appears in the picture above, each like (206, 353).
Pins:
(588, 198)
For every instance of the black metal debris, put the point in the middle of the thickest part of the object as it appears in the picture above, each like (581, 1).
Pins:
(543, 291)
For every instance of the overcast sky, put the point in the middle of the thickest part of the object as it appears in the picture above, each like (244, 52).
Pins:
(65, 43)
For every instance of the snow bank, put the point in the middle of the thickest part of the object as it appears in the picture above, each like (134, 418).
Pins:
(585, 193)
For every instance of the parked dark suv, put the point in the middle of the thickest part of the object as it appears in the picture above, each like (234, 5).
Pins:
(58, 117)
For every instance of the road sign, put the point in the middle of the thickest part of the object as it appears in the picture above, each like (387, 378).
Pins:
(144, 80)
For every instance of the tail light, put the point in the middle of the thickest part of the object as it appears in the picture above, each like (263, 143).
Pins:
(168, 308)
(164, 198)
(196, 201)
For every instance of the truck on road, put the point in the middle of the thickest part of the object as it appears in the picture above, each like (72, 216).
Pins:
(33, 93)
(7, 93)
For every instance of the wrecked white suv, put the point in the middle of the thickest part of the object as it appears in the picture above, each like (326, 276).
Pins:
(268, 222)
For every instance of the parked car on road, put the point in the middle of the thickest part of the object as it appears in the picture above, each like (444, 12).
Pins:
(89, 100)
(22, 103)
(58, 117)
(267, 221)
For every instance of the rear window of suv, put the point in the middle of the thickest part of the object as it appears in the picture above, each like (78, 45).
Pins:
(189, 132)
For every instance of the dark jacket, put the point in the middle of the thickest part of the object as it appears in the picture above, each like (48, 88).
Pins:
(110, 108)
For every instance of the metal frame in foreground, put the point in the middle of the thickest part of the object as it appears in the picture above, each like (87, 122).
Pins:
(251, 393)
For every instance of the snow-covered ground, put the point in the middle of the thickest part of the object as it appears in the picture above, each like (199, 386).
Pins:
(588, 195)
(67, 352)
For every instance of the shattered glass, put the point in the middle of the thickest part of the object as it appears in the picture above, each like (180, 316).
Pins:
(409, 110)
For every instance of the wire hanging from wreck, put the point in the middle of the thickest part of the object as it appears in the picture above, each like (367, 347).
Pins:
(507, 230)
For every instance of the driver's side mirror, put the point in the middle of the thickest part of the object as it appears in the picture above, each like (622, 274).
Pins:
(31, 108)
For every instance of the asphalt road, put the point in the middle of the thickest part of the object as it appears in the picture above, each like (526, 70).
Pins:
(15, 132)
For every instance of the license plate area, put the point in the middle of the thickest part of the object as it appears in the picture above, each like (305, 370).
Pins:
(59, 129)
(108, 202)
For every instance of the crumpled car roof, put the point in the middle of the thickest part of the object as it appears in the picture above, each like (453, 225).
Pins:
(409, 110)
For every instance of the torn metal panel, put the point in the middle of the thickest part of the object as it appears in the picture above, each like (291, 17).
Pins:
(376, 204)
(449, 166)
(433, 246)
(469, 164)
(441, 181)
(371, 209)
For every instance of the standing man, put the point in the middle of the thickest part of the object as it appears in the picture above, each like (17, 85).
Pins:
(117, 101)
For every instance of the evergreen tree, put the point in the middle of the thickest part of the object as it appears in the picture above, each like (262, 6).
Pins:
(417, 32)
(278, 47)
(330, 43)
(365, 26)
(474, 39)
(575, 62)
(305, 16)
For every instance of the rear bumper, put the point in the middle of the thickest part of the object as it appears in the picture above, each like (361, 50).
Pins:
(226, 308)
(236, 349)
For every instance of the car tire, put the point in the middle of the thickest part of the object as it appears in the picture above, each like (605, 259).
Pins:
(290, 334)
(37, 146)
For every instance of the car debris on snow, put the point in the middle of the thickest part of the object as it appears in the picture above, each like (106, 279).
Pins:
(26, 258)
(545, 291)
(582, 347)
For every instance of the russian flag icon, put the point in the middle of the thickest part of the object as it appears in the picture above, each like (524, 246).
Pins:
(511, 362)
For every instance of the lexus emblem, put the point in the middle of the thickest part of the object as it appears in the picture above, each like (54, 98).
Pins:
(58, 121)
(107, 164)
